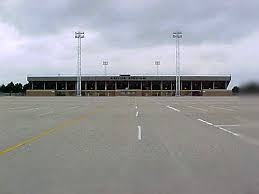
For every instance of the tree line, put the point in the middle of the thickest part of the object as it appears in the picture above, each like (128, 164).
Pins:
(14, 88)
(248, 88)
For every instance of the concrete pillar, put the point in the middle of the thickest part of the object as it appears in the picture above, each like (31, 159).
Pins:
(128, 84)
(44, 86)
(32, 85)
(191, 85)
(201, 86)
(151, 85)
(56, 85)
(95, 85)
(141, 85)
(85, 85)
(115, 85)
(213, 85)
(105, 83)
(161, 85)
(65, 85)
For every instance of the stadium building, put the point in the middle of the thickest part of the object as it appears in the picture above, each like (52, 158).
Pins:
(129, 85)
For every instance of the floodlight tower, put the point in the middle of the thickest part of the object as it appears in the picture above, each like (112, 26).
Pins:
(105, 64)
(79, 36)
(157, 63)
(177, 36)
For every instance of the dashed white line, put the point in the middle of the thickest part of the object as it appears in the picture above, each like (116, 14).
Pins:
(136, 107)
(221, 128)
(198, 108)
(139, 132)
(137, 114)
(173, 108)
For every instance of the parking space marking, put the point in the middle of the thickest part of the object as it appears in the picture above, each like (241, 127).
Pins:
(47, 113)
(227, 125)
(139, 133)
(137, 114)
(173, 108)
(221, 128)
(228, 109)
(208, 123)
(205, 110)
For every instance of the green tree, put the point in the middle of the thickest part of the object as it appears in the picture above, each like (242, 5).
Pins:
(236, 90)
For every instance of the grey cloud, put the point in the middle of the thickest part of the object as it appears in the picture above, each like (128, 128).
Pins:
(138, 23)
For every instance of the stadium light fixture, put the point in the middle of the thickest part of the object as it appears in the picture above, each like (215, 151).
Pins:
(105, 64)
(157, 63)
(79, 36)
(177, 36)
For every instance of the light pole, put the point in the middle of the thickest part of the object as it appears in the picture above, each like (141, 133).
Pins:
(177, 36)
(157, 63)
(79, 36)
(105, 64)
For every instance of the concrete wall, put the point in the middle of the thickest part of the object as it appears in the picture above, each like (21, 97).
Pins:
(217, 93)
(129, 93)
(40, 93)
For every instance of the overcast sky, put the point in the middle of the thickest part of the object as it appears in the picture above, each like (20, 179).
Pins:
(219, 37)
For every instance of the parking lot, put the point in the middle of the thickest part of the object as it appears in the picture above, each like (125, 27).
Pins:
(131, 145)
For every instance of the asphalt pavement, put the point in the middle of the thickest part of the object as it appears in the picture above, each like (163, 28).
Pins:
(129, 145)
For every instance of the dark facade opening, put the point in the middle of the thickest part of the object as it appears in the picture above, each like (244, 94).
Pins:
(186, 85)
(61, 85)
(146, 85)
(207, 85)
(219, 85)
(110, 85)
(166, 85)
(122, 85)
(38, 85)
(50, 85)
(71, 85)
(196, 85)
(135, 85)
(156, 85)
(90, 85)
(83, 85)
(173, 85)
(101, 85)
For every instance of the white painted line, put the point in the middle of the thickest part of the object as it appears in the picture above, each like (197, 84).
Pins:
(136, 107)
(198, 108)
(223, 108)
(227, 125)
(205, 122)
(139, 132)
(173, 108)
(137, 114)
(221, 128)
(44, 114)
(235, 134)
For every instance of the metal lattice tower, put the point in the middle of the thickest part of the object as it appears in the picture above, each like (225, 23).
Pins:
(105, 64)
(79, 36)
(177, 36)
(157, 63)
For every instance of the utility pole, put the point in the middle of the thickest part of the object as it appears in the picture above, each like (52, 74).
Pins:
(177, 36)
(157, 63)
(79, 36)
